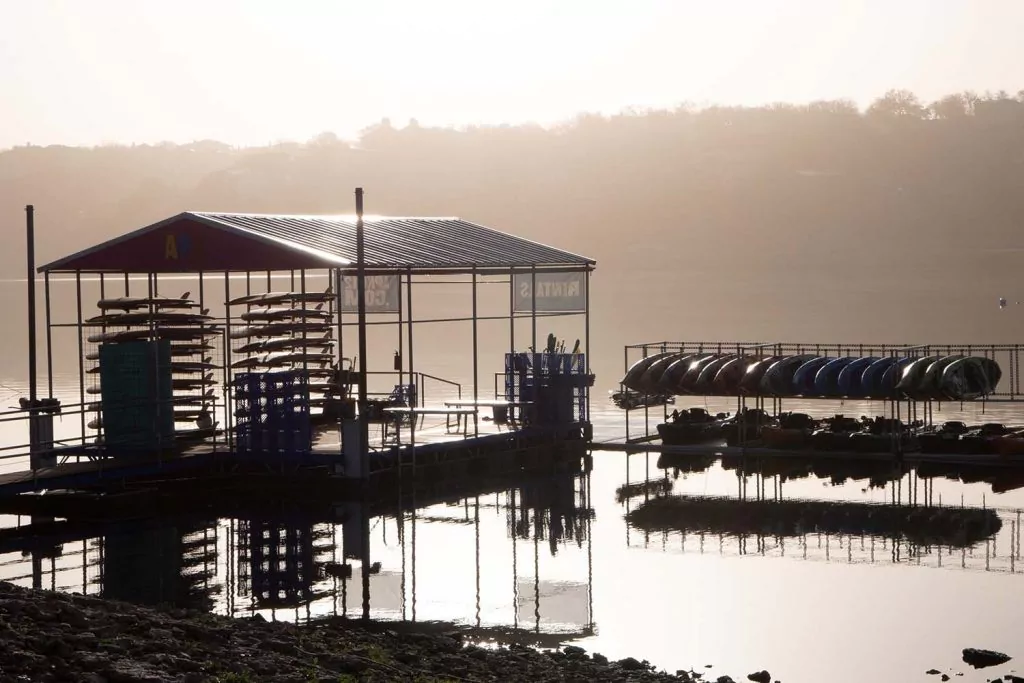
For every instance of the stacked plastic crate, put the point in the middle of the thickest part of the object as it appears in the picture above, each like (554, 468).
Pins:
(272, 413)
(555, 384)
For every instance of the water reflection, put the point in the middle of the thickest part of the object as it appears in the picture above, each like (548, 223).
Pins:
(280, 561)
(159, 562)
(501, 571)
(909, 526)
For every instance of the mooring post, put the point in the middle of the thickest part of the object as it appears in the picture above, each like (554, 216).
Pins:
(30, 252)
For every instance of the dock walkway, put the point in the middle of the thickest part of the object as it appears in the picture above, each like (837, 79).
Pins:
(433, 446)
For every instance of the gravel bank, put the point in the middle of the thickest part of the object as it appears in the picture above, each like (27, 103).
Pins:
(47, 636)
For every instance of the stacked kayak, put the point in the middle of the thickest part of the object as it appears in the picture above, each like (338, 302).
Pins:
(936, 378)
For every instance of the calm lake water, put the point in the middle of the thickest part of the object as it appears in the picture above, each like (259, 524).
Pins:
(557, 559)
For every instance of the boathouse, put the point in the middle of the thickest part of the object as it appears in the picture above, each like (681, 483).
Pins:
(265, 358)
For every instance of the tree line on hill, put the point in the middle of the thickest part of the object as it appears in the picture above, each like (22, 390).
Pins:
(757, 187)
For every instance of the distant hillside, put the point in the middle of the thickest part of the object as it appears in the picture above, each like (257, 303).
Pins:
(825, 183)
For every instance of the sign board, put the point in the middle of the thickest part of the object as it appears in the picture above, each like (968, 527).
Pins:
(382, 294)
(556, 292)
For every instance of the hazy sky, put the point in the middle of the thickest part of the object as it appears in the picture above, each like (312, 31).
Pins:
(256, 71)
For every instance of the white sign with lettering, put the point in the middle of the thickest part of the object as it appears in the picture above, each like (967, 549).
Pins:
(382, 294)
(556, 292)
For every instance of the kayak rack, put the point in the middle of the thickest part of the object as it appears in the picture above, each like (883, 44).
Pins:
(644, 411)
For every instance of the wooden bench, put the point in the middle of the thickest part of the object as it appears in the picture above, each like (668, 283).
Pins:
(461, 416)
(499, 407)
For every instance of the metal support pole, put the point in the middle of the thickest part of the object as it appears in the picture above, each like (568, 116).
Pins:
(339, 285)
(533, 309)
(513, 414)
(202, 357)
(535, 372)
(305, 349)
(476, 362)
(49, 335)
(33, 389)
(364, 426)
(412, 378)
(81, 352)
(228, 412)
(401, 361)
(586, 338)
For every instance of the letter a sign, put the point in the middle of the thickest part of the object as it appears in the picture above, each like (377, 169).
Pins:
(176, 247)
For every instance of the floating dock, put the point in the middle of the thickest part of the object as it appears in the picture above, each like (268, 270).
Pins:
(218, 384)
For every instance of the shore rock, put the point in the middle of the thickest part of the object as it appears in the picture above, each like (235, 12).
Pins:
(760, 677)
(48, 636)
(980, 659)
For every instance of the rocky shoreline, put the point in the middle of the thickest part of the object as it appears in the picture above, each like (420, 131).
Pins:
(48, 636)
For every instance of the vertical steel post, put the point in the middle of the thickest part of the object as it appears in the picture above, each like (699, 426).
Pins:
(535, 357)
(202, 357)
(476, 362)
(401, 359)
(103, 295)
(81, 352)
(339, 294)
(412, 378)
(49, 335)
(586, 342)
(364, 426)
(533, 307)
(33, 389)
(511, 337)
(228, 412)
(305, 348)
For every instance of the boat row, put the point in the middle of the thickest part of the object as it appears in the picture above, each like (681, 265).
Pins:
(950, 377)
(839, 433)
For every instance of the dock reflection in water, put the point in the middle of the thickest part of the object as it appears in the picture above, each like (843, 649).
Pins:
(902, 529)
(500, 573)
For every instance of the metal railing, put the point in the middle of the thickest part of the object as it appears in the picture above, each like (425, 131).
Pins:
(82, 444)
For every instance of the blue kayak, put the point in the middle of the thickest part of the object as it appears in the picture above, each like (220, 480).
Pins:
(850, 376)
(871, 379)
(826, 382)
(803, 378)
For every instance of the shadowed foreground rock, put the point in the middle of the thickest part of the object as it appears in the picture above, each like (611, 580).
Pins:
(47, 636)
(980, 659)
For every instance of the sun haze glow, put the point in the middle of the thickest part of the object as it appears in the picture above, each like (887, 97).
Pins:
(256, 71)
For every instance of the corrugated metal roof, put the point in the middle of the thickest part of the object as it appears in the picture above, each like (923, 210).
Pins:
(403, 242)
(390, 242)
